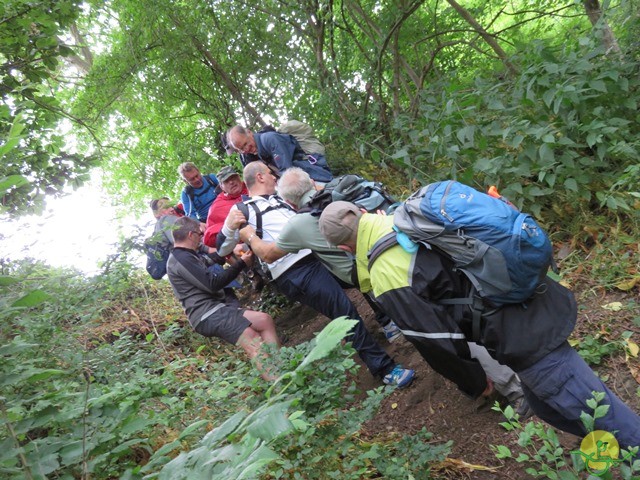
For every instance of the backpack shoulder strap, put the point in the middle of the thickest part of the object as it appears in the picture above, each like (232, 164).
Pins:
(244, 208)
(382, 245)
(189, 191)
(473, 301)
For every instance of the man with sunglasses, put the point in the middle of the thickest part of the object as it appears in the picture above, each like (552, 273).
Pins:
(211, 309)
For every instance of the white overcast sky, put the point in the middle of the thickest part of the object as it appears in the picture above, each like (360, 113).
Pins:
(78, 230)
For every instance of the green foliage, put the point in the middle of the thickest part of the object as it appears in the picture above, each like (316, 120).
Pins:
(544, 456)
(99, 380)
(592, 348)
(562, 134)
(170, 78)
(303, 427)
(35, 157)
(75, 405)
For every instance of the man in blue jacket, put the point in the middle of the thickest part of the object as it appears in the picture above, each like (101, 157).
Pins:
(200, 192)
(280, 151)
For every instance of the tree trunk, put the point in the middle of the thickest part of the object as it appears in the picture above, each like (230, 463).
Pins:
(594, 12)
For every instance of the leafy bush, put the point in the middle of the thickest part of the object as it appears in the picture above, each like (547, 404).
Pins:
(98, 380)
(545, 457)
(563, 133)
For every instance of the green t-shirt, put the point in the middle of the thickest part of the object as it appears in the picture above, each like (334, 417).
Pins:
(302, 231)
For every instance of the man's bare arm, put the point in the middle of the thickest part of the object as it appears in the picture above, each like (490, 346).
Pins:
(267, 251)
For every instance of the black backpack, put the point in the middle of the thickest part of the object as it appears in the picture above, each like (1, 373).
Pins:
(367, 194)
(157, 256)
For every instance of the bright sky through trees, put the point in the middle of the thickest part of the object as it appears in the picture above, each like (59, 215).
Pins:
(78, 230)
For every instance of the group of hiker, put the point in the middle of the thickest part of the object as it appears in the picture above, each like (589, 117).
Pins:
(516, 346)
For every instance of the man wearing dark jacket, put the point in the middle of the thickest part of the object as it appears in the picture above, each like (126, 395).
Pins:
(212, 312)
(280, 151)
(531, 338)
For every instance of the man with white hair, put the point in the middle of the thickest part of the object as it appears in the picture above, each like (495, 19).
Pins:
(301, 276)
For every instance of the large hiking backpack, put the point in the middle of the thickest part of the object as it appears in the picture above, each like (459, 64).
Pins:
(157, 256)
(305, 136)
(503, 252)
(371, 196)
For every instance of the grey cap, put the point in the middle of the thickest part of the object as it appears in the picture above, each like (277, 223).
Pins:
(335, 224)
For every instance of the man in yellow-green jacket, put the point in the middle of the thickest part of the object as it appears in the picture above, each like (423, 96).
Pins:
(530, 337)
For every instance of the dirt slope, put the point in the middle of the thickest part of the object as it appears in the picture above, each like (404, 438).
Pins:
(436, 404)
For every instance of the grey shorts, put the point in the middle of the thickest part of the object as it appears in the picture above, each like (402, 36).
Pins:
(226, 323)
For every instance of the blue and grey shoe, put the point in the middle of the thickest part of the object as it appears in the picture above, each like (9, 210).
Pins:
(400, 377)
(391, 331)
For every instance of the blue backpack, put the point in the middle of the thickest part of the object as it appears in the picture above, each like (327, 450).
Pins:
(157, 256)
(504, 253)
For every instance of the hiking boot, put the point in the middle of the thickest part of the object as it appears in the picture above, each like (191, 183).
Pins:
(400, 377)
(522, 408)
(391, 331)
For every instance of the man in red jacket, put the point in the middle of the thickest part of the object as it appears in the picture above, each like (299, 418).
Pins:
(233, 189)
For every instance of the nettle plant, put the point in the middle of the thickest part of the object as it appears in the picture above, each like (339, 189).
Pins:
(545, 457)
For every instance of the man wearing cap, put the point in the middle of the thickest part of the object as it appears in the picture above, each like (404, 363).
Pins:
(233, 189)
(300, 276)
(529, 337)
(200, 192)
(302, 231)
